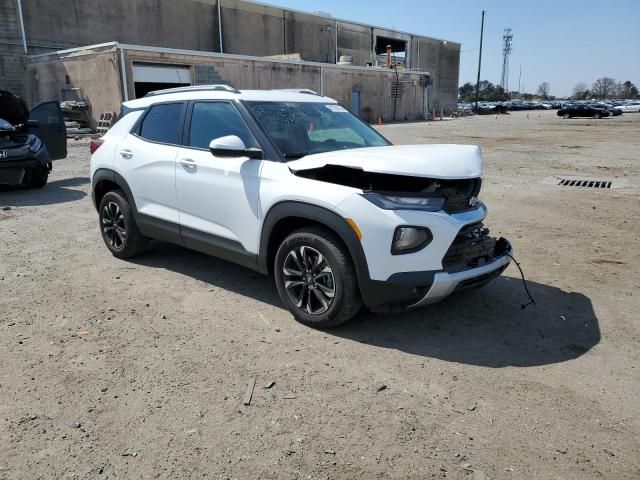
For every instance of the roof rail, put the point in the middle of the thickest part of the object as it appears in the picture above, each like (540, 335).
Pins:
(194, 88)
(306, 91)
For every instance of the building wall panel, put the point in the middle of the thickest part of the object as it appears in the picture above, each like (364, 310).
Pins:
(96, 76)
(189, 24)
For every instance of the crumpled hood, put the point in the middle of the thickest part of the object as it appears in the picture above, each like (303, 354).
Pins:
(431, 161)
(12, 108)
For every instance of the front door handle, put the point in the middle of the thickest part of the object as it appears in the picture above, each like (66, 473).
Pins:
(188, 163)
(126, 154)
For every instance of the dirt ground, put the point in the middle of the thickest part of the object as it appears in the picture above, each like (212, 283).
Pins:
(116, 369)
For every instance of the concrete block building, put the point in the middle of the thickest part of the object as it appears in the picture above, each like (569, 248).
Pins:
(106, 52)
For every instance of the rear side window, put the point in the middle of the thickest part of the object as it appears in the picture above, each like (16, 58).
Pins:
(163, 124)
(211, 120)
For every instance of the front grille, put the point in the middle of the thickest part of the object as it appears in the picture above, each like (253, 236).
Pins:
(14, 153)
(459, 194)
(472, 247)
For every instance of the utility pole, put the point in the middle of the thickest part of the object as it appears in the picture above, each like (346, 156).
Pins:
(479, 61)
(519, 78)
(219, 25)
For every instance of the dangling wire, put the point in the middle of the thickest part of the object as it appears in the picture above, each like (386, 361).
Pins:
(524, 282)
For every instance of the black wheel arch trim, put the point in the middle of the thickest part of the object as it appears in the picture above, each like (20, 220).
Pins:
(398, 291)
(295, 209)
(149, 226)
(113, 177)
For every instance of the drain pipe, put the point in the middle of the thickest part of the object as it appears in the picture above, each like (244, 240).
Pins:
(336, 42)
(123, 72)
(220, 25)
(21, 18)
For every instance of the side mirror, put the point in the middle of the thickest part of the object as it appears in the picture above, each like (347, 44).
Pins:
(233, 146)
(33, 123)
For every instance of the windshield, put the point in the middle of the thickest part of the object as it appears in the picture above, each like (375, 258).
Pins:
(299, 128)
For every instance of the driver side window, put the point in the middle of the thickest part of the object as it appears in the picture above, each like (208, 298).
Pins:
(211, 120)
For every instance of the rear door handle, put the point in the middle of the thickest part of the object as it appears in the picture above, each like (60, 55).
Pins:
(188, 163)
(126, 154)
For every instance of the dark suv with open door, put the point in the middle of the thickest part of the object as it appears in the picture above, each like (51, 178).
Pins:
(29, 140)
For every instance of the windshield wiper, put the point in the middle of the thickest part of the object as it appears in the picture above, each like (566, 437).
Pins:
(295, 156)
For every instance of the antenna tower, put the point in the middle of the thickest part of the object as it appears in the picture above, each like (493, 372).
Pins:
(507, 47)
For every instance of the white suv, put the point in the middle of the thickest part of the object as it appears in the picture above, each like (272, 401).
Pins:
(290, 183)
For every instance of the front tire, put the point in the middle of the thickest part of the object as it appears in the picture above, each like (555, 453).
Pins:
(597, 115)
(566, 116)
(316, 278)
(118, 226)
(37, 177)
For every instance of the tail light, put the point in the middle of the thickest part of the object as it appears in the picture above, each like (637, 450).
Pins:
(95, 145)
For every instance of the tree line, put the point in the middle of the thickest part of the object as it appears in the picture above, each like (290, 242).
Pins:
(602, 89)
(605, 88)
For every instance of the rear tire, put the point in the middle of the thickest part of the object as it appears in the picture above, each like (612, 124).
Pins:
(37, 177)
(316, 279)
(566, 116)
(118, 226)
(597, 115)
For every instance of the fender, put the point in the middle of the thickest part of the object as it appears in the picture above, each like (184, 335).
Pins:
(149, 226)
(113, 177)
(323, 216)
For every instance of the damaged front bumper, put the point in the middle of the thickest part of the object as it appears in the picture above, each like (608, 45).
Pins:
(460, 255)
(445, 284)
(16, 162)
(13, 172)
(416, 289)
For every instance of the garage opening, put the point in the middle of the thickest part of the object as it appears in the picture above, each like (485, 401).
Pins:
(148, 78)
(398, 51)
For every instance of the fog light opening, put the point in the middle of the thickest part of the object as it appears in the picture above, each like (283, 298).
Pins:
(409, 239)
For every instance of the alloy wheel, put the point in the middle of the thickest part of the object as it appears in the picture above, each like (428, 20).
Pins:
(309, 280)
(113, 225)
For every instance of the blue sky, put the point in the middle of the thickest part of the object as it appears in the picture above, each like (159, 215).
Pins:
(562, 42)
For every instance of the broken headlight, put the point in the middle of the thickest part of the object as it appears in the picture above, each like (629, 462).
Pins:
(406, 202)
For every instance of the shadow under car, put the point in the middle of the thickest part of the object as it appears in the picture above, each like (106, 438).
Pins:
(486, 327)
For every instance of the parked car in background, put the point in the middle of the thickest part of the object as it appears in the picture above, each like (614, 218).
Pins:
(633, 106)
(294, 185)
(465, 109)
(582, 110)
(29, 140)
(484, 108)
(518, 105)
(608, 107)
